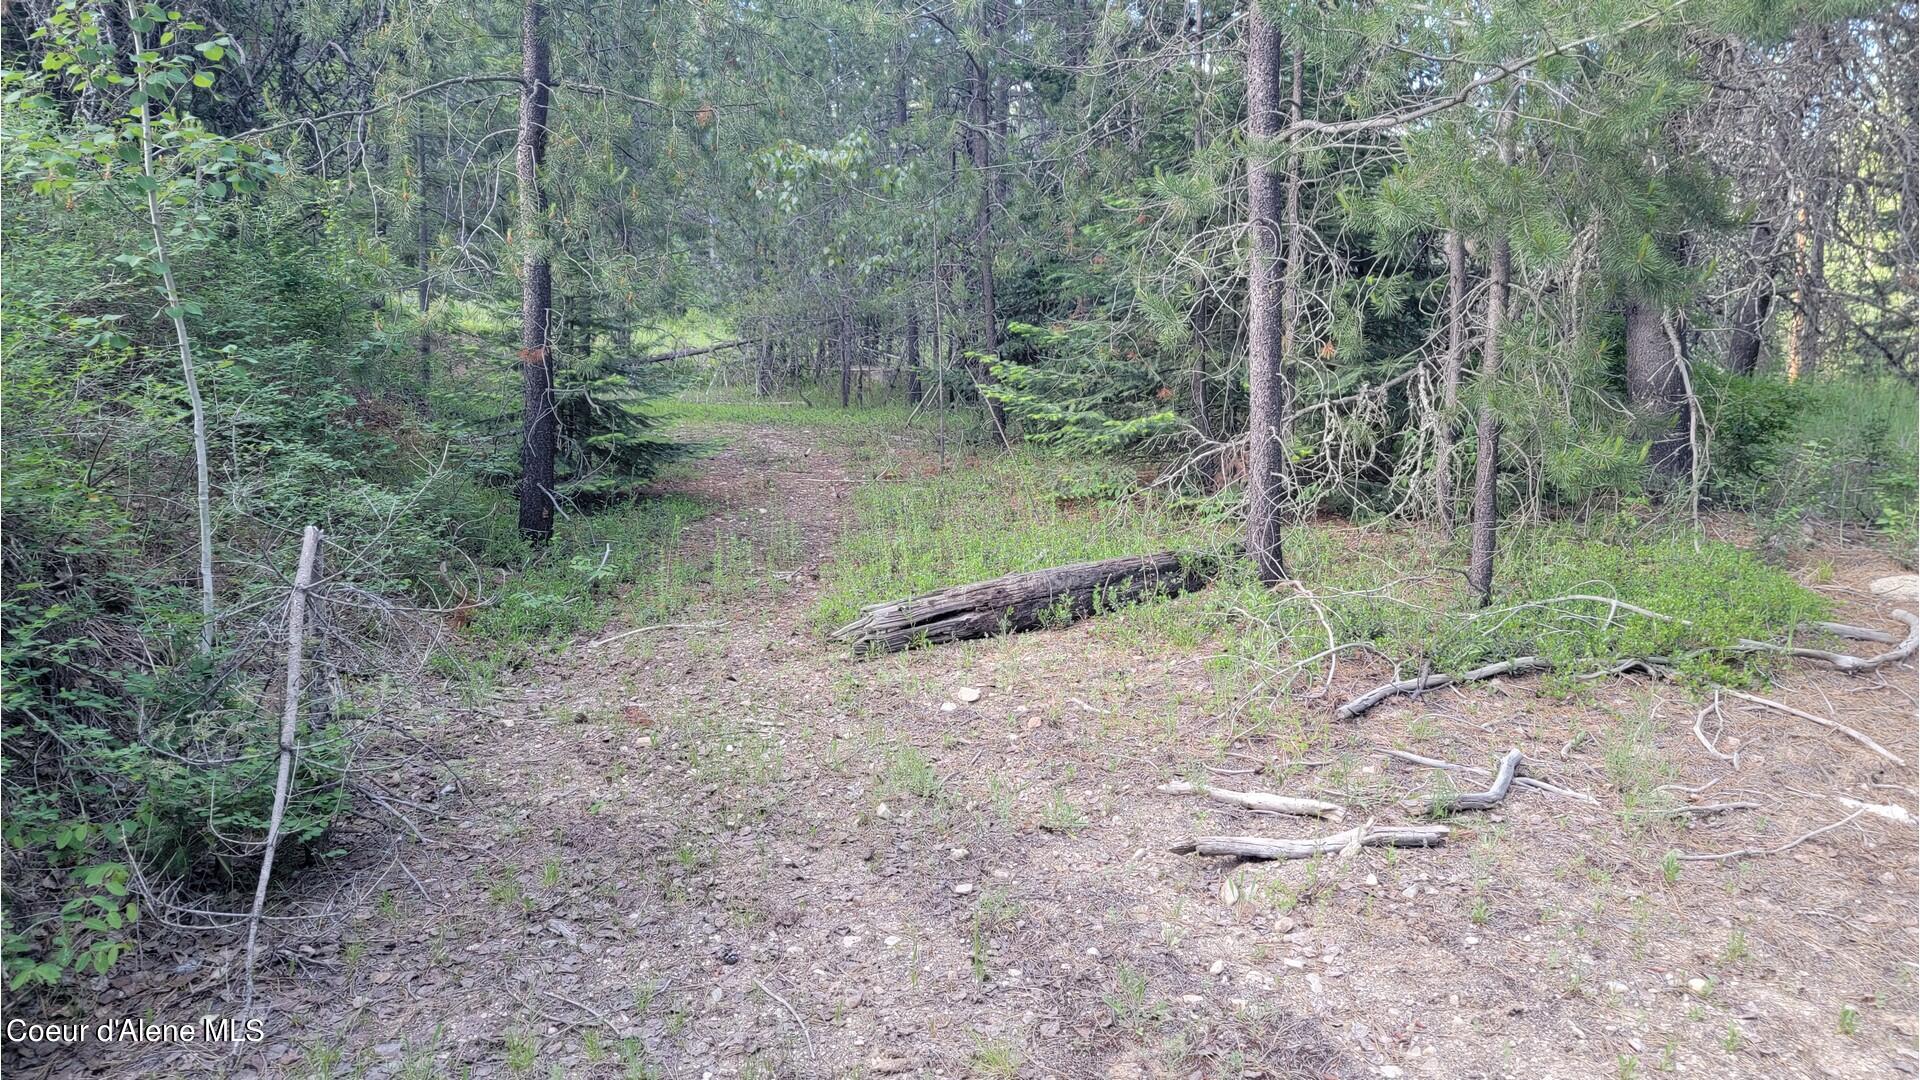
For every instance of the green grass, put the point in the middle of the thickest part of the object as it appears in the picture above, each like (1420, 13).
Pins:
(1011, 513)
(1397, 592)
(569, 588)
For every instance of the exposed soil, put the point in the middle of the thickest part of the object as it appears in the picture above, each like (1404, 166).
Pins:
(746, 854)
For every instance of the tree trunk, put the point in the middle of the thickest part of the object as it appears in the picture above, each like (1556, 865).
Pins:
(1656, 389)
(846, 360)
(911, 357)
(1749, 326)
(1486, 434)
(1456, 248)
(177, 312)
(1750, 315)
(538, 427)
(423, 245)
(1803, 335)
(1266, 363)
(980, 122)
(763, 365)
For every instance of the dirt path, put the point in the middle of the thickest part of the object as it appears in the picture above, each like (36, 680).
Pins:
(726, 850)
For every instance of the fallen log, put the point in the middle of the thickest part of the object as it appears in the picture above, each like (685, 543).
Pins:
(1261, 847)
(1257, 800)
(1025, 601)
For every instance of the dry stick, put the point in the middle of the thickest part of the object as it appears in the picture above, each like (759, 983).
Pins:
(1823, 722)
(1259, 847)
(1518, 666)
(289, 727)
(1524, 781)
(1492, 797)
(1857, 633)
(1748, 853)
(1257, 800)
(1700, 718)
(1703, 809)
(609, 639)
(797, 1018)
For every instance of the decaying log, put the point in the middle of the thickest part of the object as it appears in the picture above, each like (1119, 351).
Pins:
(1257, 800)
(1261, 847)
(1023, 601)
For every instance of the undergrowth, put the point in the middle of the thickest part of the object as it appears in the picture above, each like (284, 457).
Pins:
(1026, 511)
(1399, 595)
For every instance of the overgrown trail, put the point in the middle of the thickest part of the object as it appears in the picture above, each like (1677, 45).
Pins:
(721, 847)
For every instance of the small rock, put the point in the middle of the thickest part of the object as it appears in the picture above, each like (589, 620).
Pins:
(1617, 987)
(850, 941)
(968, 694)
(962, 888)
(948, 706)
(1392, 1070)
(1698, 986)
(892, 940)
(1217, 967)
(957, 854)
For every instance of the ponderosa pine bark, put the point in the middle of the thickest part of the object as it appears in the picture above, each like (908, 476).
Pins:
(538, 427)
(1266, 362)
(1450, 367)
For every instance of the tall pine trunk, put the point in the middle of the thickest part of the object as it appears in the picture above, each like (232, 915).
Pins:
(1451, 364)
(1266, 363)
(980, 126)
(423, 246)
(1486, 435)
(538, 424)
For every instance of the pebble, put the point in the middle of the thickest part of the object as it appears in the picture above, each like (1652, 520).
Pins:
(850, 941)
(963, 888)
(1217, 967)
(957, 854)
(1699, 986)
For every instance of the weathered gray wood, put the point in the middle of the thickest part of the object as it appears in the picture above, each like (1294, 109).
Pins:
(1024, 601)
(1257, 800)
(1261, 847)
(1523, 665)
(1493, 796)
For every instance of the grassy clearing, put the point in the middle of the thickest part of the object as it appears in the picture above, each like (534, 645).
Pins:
(1019, 512)
(1397, 594)
(626, 562)
(868, 425)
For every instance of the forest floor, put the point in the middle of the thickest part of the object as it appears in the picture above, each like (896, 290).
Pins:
(724, 848)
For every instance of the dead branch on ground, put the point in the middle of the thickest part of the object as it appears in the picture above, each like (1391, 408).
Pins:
(1257, 800)
(1259, 847)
